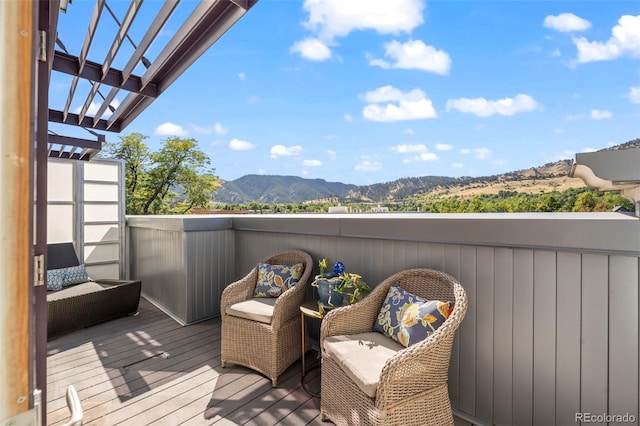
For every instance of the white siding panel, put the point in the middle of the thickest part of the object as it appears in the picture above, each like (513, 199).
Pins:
(544, 337)
(594, 333)
(101, 213)
(568, 307)
(101, 192)
(60, 223)
(60, 185)
(107, 172)
(523, 337)
(484, 329)
(467, 332)
(109, 271)
(503, 341)
(101, 233)
(623, 335)
(101, 253)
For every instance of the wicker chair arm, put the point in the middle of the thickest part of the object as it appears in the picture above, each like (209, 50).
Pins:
(421, 367)
(288, 304)
(238, 291)
(353, 319)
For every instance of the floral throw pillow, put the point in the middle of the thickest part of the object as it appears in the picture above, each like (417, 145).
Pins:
(273, 280)
(55, 277)
(409, 319)
(75, 275)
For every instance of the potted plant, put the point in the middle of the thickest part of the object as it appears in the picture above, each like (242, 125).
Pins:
(338, 287)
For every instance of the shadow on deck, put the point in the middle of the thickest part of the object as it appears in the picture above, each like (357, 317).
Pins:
(149, 370)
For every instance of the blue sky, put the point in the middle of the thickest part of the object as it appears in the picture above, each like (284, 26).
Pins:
(369, 91)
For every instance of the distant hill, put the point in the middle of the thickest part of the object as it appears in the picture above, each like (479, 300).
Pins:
(277, 189)
(294, 189)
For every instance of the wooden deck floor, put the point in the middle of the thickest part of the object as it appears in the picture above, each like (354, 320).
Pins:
(149, 370)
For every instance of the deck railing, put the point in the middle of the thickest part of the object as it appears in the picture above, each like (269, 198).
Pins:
(552, 326)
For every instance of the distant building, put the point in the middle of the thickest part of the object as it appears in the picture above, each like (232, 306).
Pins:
(338, 209)
(379, 209)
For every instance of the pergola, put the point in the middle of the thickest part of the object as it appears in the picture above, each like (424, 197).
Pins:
(119, 62)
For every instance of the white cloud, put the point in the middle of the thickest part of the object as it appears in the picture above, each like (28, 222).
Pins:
(312, 163)
(598, 114)
(337, 18)
(411, 105)
(242, 76)
(634, 94)
(348, 117)
(284, 151)
(368, 166)
(589, 149)
(254, 99)
(217, 128)
(574, 117)
(405, 148)
(390, 93)
(624, 41)
(94, 107)
(465, 151)
(566, 22)
(330, 19)
(443, 147)
(220, 129)
(426, 156)
(331, 153)
(558, 131)
(482, 153)
(556, 53)
(414, 54)
(312, 49)
(457, 165)
(170, 129)
(485, 108)
(239, 145)
(410, 132)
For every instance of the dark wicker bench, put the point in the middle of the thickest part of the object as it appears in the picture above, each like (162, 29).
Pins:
(85, 304)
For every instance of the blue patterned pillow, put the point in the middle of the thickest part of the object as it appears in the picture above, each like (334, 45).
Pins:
(75, 275)
(409, 319)
(273, 280)
(55, 277)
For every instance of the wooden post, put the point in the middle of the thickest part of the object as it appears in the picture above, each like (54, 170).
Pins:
(17, 64)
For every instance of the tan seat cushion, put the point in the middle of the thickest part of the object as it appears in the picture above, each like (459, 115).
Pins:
(257, 309)
(362, 357)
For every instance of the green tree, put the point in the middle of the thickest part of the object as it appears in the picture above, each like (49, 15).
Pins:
(173, 180)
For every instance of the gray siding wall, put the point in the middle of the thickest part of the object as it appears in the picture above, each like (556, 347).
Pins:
(183, 272)
(552, 325)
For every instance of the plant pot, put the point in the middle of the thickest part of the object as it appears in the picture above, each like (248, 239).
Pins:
(328, 296)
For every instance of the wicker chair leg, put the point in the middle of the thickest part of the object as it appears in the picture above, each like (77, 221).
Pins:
(222, 364)
(274, 383)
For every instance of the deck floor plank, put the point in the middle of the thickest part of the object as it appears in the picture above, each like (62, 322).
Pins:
(123, 376)
(149, 370)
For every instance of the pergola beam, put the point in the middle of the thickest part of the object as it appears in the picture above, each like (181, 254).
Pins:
(206, 24)
(68, 64)
(156, 26)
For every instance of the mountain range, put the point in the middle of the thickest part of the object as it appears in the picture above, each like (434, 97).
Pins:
(269, 189)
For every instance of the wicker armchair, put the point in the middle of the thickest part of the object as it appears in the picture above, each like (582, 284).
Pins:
(267, 348)
(412, 386)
